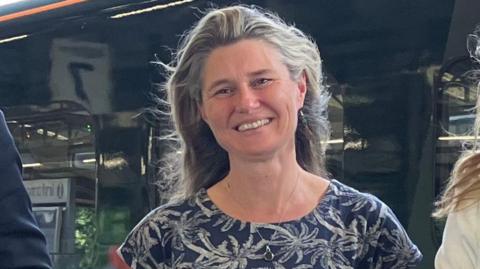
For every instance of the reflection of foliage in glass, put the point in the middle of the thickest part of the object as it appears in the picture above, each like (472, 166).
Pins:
(85, 236)
(113, 225)
(112, 228)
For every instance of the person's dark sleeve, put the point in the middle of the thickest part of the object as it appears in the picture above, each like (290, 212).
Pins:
(394, 249)
(22, 244)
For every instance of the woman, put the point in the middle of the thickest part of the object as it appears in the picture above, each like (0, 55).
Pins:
(461, 200)
(248, 106)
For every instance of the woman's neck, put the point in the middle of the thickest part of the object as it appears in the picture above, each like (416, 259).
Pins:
(265, 184)
(267, 191)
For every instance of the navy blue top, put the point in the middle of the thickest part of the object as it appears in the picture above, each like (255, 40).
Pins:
(348, 229)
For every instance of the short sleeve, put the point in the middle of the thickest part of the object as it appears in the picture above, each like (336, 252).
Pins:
(143, 247)
(461, 241)
(394, 247)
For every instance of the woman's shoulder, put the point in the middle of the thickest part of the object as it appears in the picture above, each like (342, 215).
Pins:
(462, 232)
(388, 243)
(175, 209)
(156, 229)
(349, 198)
(354, 204)
(467, 217)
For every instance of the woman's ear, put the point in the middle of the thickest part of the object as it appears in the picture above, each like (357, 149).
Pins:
(201, 111)
(301, 89)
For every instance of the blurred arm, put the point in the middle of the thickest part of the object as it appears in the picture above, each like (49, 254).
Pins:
(22, 244)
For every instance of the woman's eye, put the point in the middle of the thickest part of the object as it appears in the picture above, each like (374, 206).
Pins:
(261, 82)
(223, 91)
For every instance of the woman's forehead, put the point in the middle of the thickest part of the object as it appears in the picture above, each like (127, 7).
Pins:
(245, 57)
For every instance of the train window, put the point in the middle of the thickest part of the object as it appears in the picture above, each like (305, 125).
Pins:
(57, 144)
(335, 145)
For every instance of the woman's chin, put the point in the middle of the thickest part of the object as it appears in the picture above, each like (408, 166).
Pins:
(257, 152)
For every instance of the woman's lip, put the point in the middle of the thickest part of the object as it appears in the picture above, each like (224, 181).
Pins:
(253, 124)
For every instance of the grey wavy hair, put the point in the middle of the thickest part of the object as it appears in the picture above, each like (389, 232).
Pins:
(463, 188)
(197, 160)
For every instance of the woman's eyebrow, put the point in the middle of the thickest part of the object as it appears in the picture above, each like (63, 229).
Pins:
(260, 72)
(217, 83)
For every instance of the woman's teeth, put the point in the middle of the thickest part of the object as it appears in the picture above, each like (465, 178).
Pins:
(253, 125)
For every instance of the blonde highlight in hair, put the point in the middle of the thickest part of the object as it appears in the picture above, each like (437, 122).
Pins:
(463, 189)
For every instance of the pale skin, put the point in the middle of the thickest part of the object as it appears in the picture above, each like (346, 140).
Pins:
(251, 103)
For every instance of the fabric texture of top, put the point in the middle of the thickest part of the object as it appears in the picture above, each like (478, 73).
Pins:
(460, 247)
(348, 229)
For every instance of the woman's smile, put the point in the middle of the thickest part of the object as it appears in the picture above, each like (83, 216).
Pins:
(253, 125)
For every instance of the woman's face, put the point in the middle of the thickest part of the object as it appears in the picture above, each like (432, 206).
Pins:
(249, 100)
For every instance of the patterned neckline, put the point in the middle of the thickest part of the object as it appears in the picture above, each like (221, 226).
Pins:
(202, 196)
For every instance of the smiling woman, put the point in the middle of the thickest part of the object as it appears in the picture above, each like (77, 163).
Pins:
(248, 105)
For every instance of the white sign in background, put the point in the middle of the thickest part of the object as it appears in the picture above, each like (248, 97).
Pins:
(81, 72)
(49, 191)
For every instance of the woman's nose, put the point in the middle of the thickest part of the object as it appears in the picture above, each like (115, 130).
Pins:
(247, 99)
